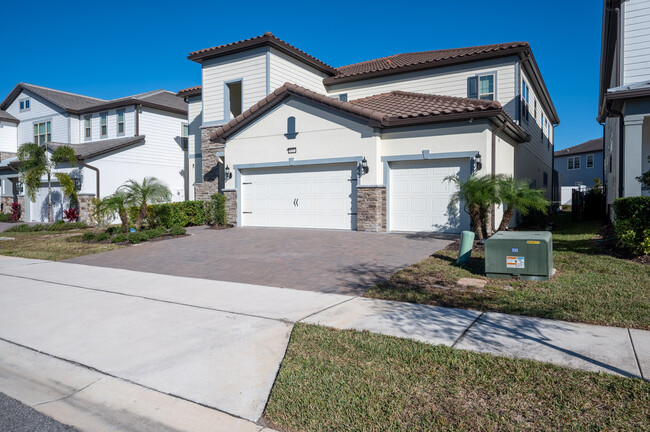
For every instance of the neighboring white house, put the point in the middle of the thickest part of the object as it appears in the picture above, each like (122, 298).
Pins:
(624, 98)
(294, 142)
(115, 140)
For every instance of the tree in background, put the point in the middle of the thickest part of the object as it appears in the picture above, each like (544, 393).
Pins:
(34, 164)
(518, 195)
(477, 195)
(150, 191)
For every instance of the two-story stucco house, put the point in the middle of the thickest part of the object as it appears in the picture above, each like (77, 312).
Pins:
(294, 142)
(115, 140)
(578, 166)
(624, 97)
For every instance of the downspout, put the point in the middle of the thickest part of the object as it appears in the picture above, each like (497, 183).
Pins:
(85, 165)
(137, 119)
(621, 150)
(494, 169)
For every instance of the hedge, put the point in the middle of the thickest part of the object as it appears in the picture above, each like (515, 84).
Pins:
(183, 213)
(58, 226)
(215, 210)
(632, 224)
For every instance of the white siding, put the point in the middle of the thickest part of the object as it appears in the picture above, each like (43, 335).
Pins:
(8, 137)
(287, 69)
(129, 124)
(195, 108)
(636, 41)
(250, 67)
(449, 81)
(74, 129)
(40, 110)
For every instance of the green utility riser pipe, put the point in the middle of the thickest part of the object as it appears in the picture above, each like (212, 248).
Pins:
(466, 244)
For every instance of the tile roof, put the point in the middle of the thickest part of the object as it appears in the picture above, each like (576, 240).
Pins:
(79, 104)
(267, 39)
(594, 145)
(396, 108)
(423, 60)
(190, 91)
(5, 116)
(92, 149)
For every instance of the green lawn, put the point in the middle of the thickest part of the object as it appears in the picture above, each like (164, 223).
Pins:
(337, 380)
(50, 245)
(590, 286)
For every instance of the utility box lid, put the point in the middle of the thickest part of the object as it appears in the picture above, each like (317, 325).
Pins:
(524, 254)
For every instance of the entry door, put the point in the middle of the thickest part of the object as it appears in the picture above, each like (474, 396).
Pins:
(419, 196)
(318, 196)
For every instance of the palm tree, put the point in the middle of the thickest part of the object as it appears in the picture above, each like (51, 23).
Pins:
(477, 195)
(116, 203)
(150, 191)
(34, 164)
(518, 195)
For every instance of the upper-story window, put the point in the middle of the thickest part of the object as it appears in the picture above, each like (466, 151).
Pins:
(486, 87)
(103, 125)
(120, 122)
(535, 110)
(42, 132)
(24, 105)
(88, 127)
(590, 161)
(233, 99)
(573, 162)
(185, 133)
(524, 100)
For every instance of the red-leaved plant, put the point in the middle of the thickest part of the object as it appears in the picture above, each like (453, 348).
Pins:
(71, 214)
(16, 210)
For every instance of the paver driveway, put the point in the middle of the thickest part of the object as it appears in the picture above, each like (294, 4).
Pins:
(345, 262)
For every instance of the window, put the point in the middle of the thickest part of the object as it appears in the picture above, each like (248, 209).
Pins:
(541, 130)
(486, 87)
(103, 125)
(88, 127)
(185, 133)
(24, 105)
(524, 100)
(545, 179)
(573, 162)
(234, 99)
(590, 161)
(42, 132)
(120, 122)
(535, 112)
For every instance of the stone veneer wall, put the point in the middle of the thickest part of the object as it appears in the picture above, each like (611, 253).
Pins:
(231, 205)
(371, 208)
(5, 155)
(7, 201)
(85, 206)
(209, 167)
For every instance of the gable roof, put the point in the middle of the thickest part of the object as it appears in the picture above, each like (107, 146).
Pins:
(91, 149)
(79, 104)
(393, 109)
(591, 146)
(6, 117)
(267, 39)
(407, 62)
(190, 91)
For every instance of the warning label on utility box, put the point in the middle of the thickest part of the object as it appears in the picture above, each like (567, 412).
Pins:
(515, 262)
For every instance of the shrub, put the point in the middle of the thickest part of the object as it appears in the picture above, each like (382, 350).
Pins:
(119, 238)
(184, 213)
(137, 237)
(153, 233)
(60, 226)
(215, 210)
(177, 231)
(16, 212)
(88, 236)
(71, 214)
(5, 217)
(112, 230)
(102, 237)
(632, 225)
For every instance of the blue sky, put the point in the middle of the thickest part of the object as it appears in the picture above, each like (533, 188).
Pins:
(110, 50)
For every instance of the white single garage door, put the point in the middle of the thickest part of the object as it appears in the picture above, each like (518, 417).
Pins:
(310, 196)
(419, 196)
(39, 210)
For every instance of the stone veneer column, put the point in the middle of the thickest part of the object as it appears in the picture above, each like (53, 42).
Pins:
(231, 205)
(6, 202)
(209, 167)
(84, 206)
(21, 201)
(371, 208)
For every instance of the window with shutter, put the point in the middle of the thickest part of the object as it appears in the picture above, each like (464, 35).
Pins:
(472, 87)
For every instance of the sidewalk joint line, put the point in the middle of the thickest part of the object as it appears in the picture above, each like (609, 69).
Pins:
(328, 307)
(636, 356)
(462, 335)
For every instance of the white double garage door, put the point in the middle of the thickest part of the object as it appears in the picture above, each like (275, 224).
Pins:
(325, 196)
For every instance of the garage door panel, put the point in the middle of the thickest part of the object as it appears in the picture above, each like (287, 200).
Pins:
(419, 196)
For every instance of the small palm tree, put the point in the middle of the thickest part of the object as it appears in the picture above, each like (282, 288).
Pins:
(34, 164)
(518, 195)
(150, 191)
(477, 195)
(116, 203)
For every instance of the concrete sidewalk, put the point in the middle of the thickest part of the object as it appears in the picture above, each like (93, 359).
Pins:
(219, 345)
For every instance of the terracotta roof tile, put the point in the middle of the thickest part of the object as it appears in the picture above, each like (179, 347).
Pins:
(190, 91)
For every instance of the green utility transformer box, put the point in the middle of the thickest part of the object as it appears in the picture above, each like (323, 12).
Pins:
(524, 254)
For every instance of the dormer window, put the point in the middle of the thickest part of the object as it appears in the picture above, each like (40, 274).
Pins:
(24, 105)
(233, 99)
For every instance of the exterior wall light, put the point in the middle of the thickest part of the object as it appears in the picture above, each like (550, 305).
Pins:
(364, 166)
(477, 161)
(19, 187)
(77, 184)
(228, 173)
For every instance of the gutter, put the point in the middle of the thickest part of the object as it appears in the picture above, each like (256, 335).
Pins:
(137, 119)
